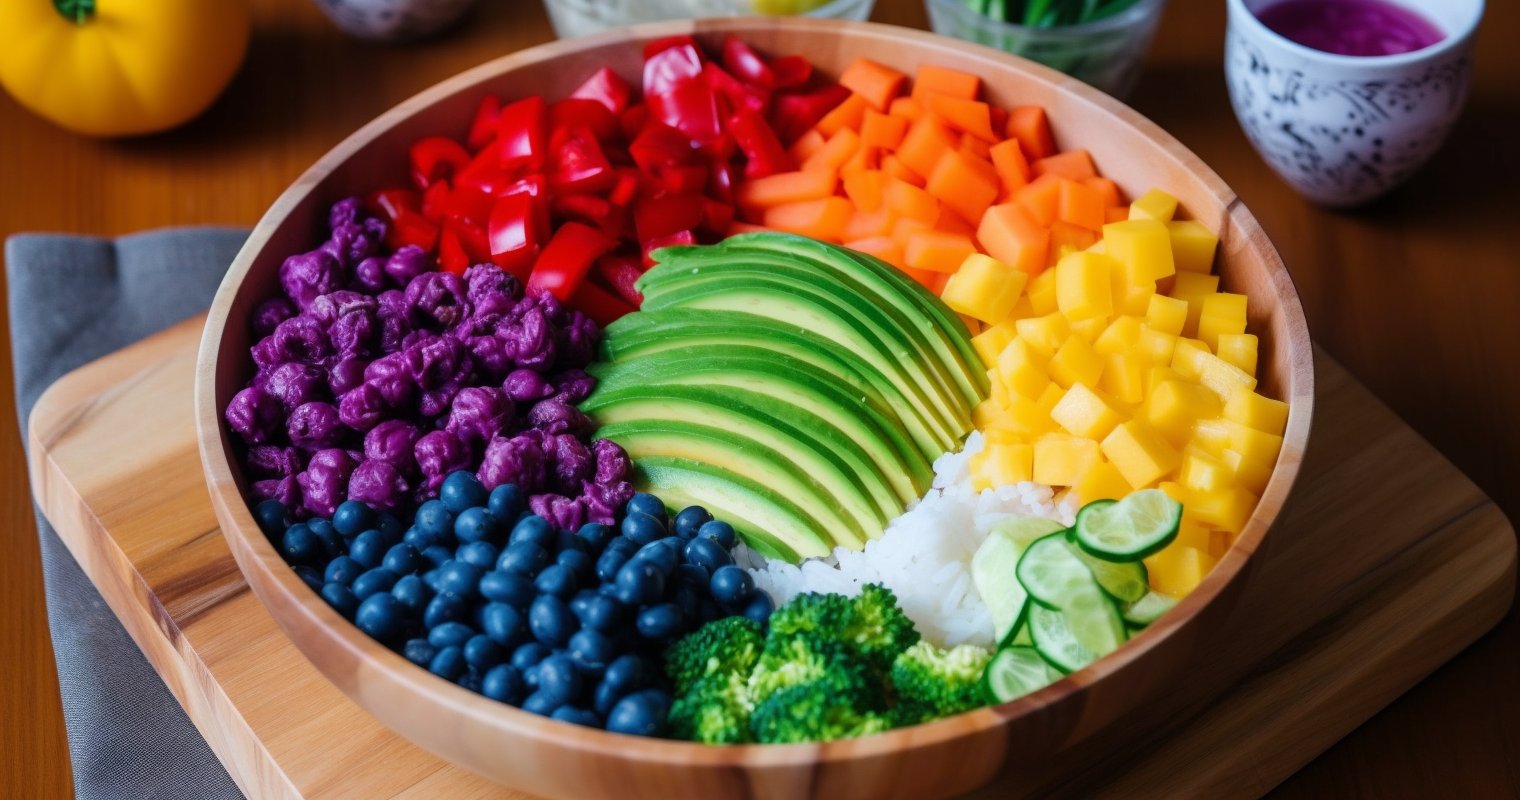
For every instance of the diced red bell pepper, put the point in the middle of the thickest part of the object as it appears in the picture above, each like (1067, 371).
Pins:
(600, 305)
(763, 153)
(412, 228)
(585, 113)
(677, 63)
(676, 239)
(389, 203)
(747, 65)
(794, 114)
(436, 158)
(735, 92)
(689, 179)
(791, 72)
(621, 273)
(662, 216)
(468, 203)
(626, 188)
(515, 233)
(483, 129)
(720, 182)
(680, 40)
(690, 106)
(522, 133)
(606, 87)
(716, 216)
(587, 208)
(660, 145)
(486, 173)
(472, 238)
(451, 254)
(435, 201)
(567, 258)
(633, 119)
(577, 165)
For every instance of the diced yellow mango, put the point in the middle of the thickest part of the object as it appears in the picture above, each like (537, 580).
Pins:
(1220, 543)
(1175, 406)
(1061, 460)
(1048, 398)
(1155, 376)
(1156, 345)
(1141, 454)
(1082, 412)
(997, 434)
(1222, 377)
(1255, 411)
(1202, 472)
(1124, 377)
(1046, 333)
(984, 288)
(1024, 368)
(1102, 481)
(1187, 358)
(1023, 309)
(973, 325)
(1193, 246)
(1074, 363)
(1211, 436)
(1178, 492)
(1083, 286)
(1192, 288)
(1098, 247)
(998, 392)
(988, 414)
(1042, 293)
(1001, 465)
(1250, 474)
(1251, 443)
(1222, 313)
(1154, 204)
(1135, 300)
(1227, 509)
(1177, 570)
(1167, 314)
(991, 342)
(1194, 534)
(1089, 329)
(1238, 349)
(1143, 247)
(1028, 417)
(1119, 336)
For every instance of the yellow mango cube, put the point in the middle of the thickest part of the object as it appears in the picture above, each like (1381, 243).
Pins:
(1082, 412)
(1166, 314)
(1001, 465)
(1124, 377)
(1174, 407)
(1098, 247)
(997, 392)
(1154, 204)
(1156, 345)
(1023, 368)
(1102, 481)
(989, 414)
(1202, 472)
(1192, 288)
(998, 434)
(1221, 313)
(1041, 292)
(1187, 358)
(1155, 376)
(1048, 398)
(1177, 570)
(1143, 247)
(1180, 493)
(1193, 246)
(1255, 411)
(984, 288)
(1062, 460)
(1212, 436)
(1135, 300)
(1142, 455)
(1222, 377)
(1089, 329)
(1045, 333)
(1251, 443)
(1227, 509)
(1028, 417)
(990, 343)
(1238, 349)
(1083, 286)
(1075, 363)
(1119, 336)
(1194, 534)
(1250, 474)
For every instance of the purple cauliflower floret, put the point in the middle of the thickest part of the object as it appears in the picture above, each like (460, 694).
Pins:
(531, 339)
(315, 426)
(390, 375)
(527, 386)
(572, 386)
(353, 333)
(368, 276)
(345, 376)
(519, 460)
(286, 490)
(351, 243)
(307, 276)
(554, 310)
(437, 360)
(492, 290)
(553, 417)
(491, 357)
(479, 415)
(324, 484)
(440, 454)
(393, 441)
(612, 464)
(255, 415)
(301, 339)
(436, 402)
(578, 342)
(270, 461)
(564, 513)
(328, 308)
(379, 485)
(266, 353)
(573, 464)
(344, 212)
(438, 300)
(406, 264)
(295, 384)
(362, 408)
(269, 314)
(604, 500)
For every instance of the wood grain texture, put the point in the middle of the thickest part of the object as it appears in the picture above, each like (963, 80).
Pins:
(1415, 295)
(1331, 639)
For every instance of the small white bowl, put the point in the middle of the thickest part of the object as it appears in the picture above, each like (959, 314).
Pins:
(1345, 130)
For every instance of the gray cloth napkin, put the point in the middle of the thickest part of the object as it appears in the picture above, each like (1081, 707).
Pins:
(72, 300)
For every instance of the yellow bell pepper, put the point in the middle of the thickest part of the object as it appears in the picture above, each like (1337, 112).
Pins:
(120, 67)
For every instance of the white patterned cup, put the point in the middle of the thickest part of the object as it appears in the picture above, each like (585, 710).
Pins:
(1345, 130)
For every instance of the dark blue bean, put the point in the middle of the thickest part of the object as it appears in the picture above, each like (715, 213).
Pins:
(605, 697)
(711, 610)
(422, 540)
(374, 581)
(342, 570)
(609, 563)
(578, 562)
(694, 576)
(596, 536)
(419, 652)
(558, 678)
(643, 503)
(720, 532)
(368, 548)
(639, 582)
(450, 634)
(506, 502)
(436, 556)
(481, 554)
(551, 621)
(638, 714)
(541, 704)
(434, 518)
(448, 664)
(353, 518)
(332, 544)
(445, 608)
(380, 616)
(273, 518)
(759, 608)
(642, 529)
(591, 651)
(413, 594)
(524, 557)
(300, 546)
(556, 579)
(504, 684)
(341, 598)
(527, 656)
(567, 540)
(601, 613)
(626, 673)
(663, 553)
(622, 544)
(459, 577)
(688, 600)
(577, 716)
(504, 624)
(311, 576)
(731, 584)
(403, 559)
(660, 622)
(512, 588)
(391, 527)
(470, 680)
(689, 520)
(535, 529)
(461, 490)
(707, 553)
(482, 653)
(477, 525)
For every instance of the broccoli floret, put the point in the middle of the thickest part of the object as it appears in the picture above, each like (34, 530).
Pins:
(871, 625)
(728, 645)
(714, 710)
(796, 660)
(932, 683)
(810, 614)
(839, 705)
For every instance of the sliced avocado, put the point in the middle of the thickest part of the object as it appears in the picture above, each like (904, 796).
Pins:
(645, 332)
(852, 478)
(741, 456)
(874, 427)
(770, 524)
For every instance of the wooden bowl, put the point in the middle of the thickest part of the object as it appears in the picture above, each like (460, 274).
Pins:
(558, 760)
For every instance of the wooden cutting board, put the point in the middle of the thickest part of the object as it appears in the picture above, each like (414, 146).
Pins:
(1385, 563)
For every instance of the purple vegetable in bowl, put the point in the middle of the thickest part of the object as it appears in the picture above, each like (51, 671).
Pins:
(255, 415)
(438, 300)
(406, 264)
(369, 276)
(518, 460)
(324, 484)
(531, 339)
(436, 360)
(572, 462)
(440, 453)
(564, 513)
(307, 276)
(353, 333)
(479, 414)
(362, 408)
(301, 339)
(393, 441)
(286, 490)
(527, 386)
(315, 426)
(295, 384)
(578, 341)
(572, 386)
(389, 375)
(379, 485)
(268, 315)
(553, 417)
(604, 500)
(271, 461)
(612, 463)
(345, 376)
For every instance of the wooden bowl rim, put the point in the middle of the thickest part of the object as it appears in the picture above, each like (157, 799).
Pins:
(255, 554)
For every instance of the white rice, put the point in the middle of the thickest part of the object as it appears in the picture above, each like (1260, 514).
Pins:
(924, 556)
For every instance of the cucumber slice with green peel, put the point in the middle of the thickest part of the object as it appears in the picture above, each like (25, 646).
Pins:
(1148, 609)
(1015, 672)
(1053, 639)
(1021, 635)
(1057, 578)
(994, 568)
(1125, 581)
(1130, 529)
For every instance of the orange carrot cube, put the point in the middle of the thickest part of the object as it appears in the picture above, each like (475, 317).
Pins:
(964, 183)
(1011, 234)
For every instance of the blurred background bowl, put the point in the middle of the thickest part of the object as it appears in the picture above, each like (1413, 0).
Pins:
(581, 17)
(393, 20)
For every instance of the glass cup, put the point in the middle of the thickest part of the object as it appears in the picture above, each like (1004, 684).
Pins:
(581, 17)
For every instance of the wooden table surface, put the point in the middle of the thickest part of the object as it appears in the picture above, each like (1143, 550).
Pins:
(1418, 295)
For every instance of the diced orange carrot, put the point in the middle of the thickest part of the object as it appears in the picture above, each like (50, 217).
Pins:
(905, 227)
(880, 246)
(966, 116)
(971, 145)
(883, 130)
(1065, 234)
(1080, 205)
(964, 183)
(783, 188)
(1075, 165)
(1029, 125)
(834, 153)
(823, 219)
(1115, 214)
(1000, 119)
(1041, 197)
(952, 82)
(866, 189)
(847, 114)
(907, 108)
(806, 145)
(951, 222)
(736, 227)
(1010, 234)
(936, 251)
(865, 159)
(894, 168)
(925, 141)
(907, 200)
(1012, 168)
(877, 83)
(869, 224)
(1105, 188)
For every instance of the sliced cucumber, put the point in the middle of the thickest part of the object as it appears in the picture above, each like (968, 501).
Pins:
(1130, 529)
(1054, 640)
(994, 568)
(1148, 609)
(1021, 637)
(1056, 578)
(1015, 672)
(1126, 581)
